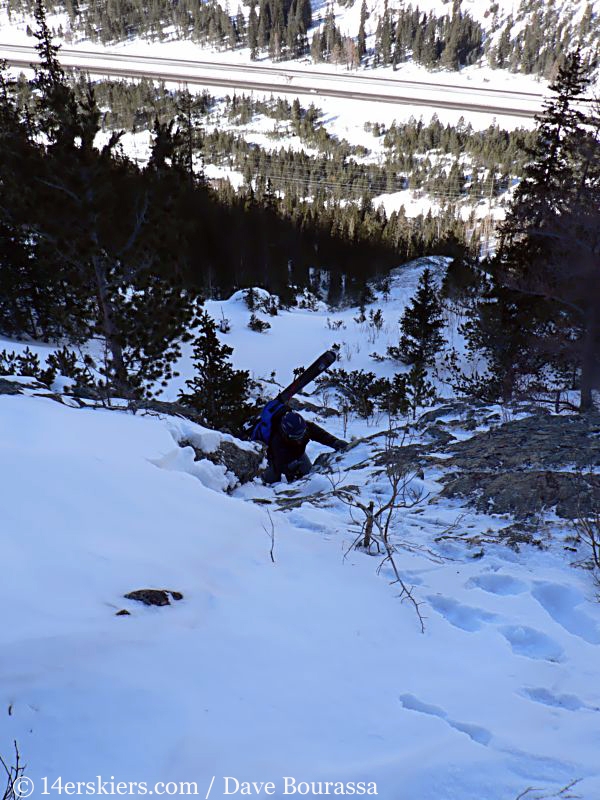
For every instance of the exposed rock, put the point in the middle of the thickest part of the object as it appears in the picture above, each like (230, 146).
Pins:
(525, 493)
(407, 458)
(520, 533)
(154, 597)
(123, 613)
(87, 392)
(161, 407)
(541, 441)
(458, 407)
(10, 387)
(244, 463)
(439, 435)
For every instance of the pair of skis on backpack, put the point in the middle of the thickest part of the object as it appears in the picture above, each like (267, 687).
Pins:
(261, 431)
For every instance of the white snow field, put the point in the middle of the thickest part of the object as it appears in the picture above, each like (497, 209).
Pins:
(309, 667)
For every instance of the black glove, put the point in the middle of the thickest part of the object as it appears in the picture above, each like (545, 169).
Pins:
(340, 445)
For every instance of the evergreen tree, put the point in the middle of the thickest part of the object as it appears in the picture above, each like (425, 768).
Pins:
(56, 107)
(393, 399)
(421, 326)
(419, 390)
(253, 31)
(384, 43)
(103, 227)
(499, 327)
(450, 55)
(217, 391)
(361, 43)
(550, 240)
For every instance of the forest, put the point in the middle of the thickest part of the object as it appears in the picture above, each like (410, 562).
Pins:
(533, 40)
(96, 246)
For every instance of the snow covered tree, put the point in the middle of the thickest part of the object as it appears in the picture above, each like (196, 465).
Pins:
(421, 326)
(218, 391)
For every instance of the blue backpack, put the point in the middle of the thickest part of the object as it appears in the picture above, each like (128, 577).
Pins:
(262, 431)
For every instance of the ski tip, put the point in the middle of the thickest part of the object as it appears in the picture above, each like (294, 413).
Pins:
(327, 359)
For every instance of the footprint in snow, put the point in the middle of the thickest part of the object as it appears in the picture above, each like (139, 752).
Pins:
(498, 584)
(474, 732)
(567, 701)
(300, 521)
(465, 617)
(561, 603)
(528, 642)
(533, 767)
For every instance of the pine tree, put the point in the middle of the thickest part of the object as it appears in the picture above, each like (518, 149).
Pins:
(500, 327)
(361, 43)
(385, 41)
(450, 55)
(240, 26)
(421, 326)
(217, 391)
(419, 390)
(253, 31)
(56, 106)
(104, 227)
(550, 240)
(393, 399)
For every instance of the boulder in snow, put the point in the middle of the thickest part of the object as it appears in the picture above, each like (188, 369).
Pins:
(154, 597)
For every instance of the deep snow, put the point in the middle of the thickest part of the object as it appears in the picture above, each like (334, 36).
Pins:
(308, 667)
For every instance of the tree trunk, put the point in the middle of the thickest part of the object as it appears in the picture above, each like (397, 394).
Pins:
(109, 329)
(589, 358)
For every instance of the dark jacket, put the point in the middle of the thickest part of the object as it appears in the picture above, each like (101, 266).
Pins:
(282, 451)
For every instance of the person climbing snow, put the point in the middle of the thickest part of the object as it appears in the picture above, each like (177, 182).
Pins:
(290, 433)
(286, 433)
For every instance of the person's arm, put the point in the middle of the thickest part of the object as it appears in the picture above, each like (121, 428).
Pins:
(318, 434)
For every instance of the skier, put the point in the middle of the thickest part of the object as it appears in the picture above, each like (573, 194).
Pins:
(290, 433)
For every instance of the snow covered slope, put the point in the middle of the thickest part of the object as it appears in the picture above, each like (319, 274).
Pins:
(307, 667)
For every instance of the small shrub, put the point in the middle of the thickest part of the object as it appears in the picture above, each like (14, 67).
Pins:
(258, 325)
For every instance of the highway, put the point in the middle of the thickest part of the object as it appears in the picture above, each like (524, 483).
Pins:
(292, 81)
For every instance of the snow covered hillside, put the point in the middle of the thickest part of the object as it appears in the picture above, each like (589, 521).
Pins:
(290, 654)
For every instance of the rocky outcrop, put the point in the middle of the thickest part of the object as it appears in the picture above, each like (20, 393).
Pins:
(541, 441)
(10, 385)
(525, 493)
(541, 462)
(243, 462)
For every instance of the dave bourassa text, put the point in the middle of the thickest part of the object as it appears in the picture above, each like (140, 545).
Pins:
(293, 786)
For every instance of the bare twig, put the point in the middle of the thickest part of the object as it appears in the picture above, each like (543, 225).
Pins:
(588, 528)
(368, 526)
(271, 535)
(13, 773)
(406, 592)
(531, 793)
(376, 524)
